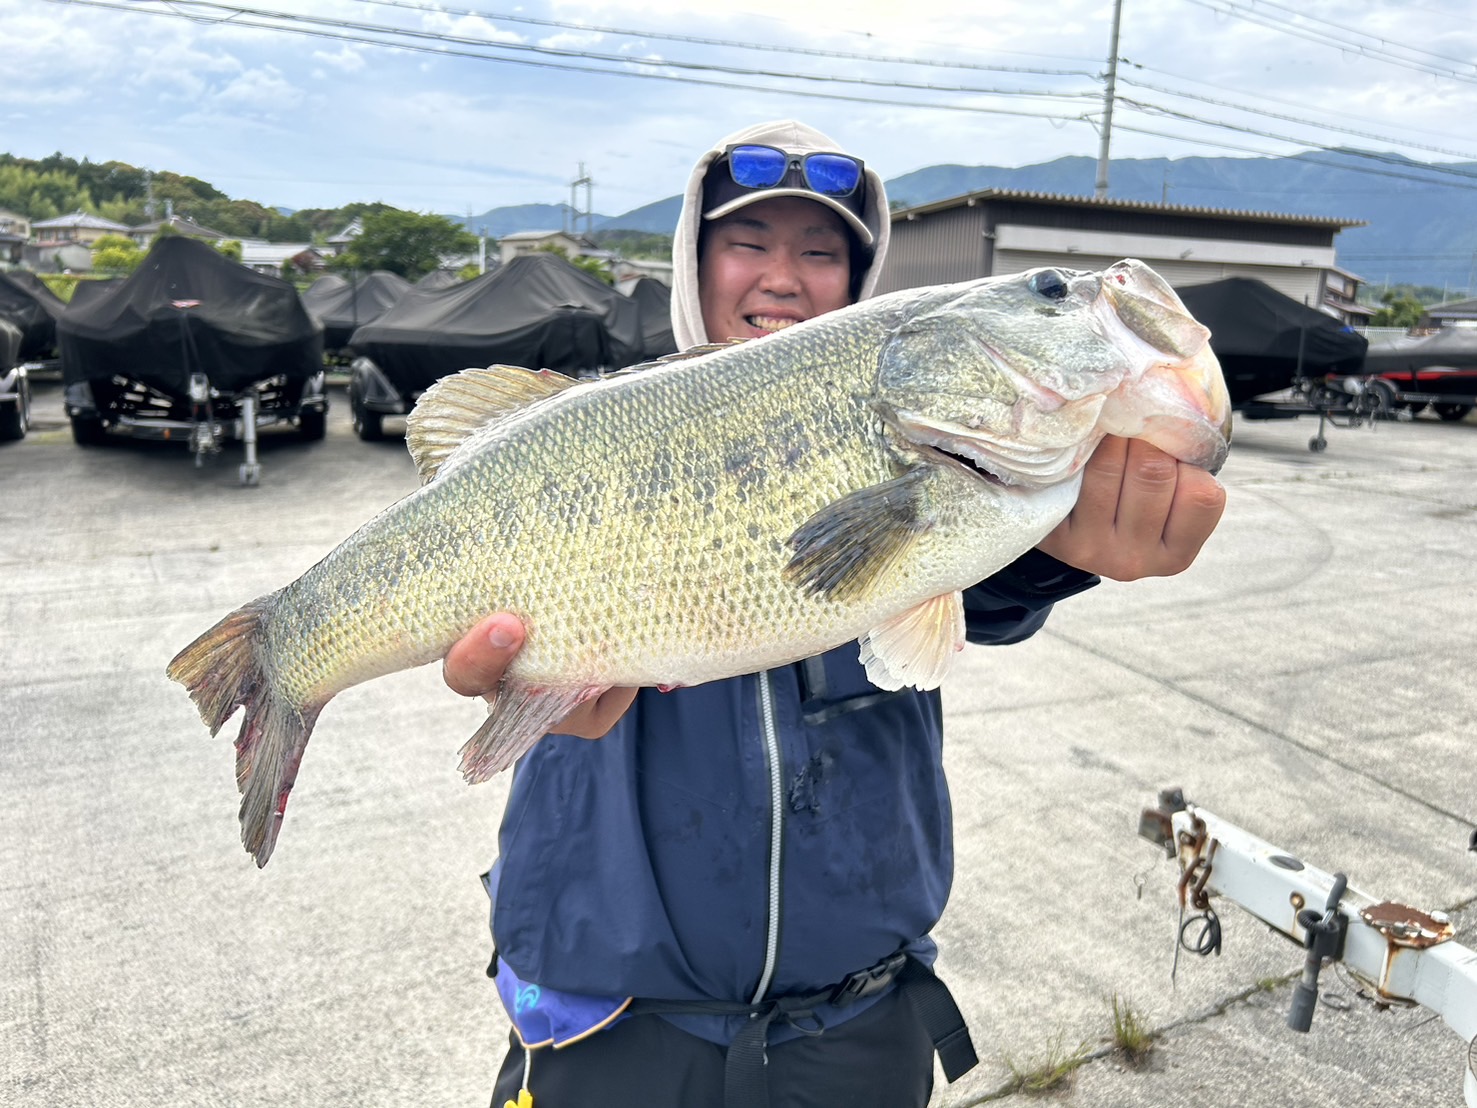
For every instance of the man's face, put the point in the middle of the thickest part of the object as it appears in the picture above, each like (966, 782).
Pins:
(771, 264)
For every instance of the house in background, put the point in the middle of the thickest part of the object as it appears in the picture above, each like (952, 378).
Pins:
(530, 242)
(998, 231)
(1454, 313)
(631, 269)
(78, 227)
(144, 233)
(267, 257)
(340, 242)
(14, 231)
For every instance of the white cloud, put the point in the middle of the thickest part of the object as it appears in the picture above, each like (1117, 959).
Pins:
(347, 59)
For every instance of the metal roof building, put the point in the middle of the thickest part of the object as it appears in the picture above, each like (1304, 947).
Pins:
(998, 231)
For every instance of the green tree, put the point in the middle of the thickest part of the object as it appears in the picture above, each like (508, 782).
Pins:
(1400, 310)
(116, 254)
(405, 243)
(231, 248)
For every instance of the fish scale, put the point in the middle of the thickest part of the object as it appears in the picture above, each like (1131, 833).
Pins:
(721, 512)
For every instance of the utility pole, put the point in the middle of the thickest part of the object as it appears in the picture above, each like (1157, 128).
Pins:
(574, 208)
(1101, 188)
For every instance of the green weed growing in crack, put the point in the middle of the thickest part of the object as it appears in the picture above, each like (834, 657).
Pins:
(1132, 1037)
(1050, 1072)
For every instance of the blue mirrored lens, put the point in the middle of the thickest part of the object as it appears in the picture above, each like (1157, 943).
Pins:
(757, 167)
(832, 174)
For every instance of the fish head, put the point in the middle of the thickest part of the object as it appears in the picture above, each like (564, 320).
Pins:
(1022, 375)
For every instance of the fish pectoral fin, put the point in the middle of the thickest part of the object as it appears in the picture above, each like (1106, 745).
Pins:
(455, 407)
(842, 550)
(518, 718)
(915, 647)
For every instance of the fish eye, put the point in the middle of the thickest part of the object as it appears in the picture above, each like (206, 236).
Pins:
(1049, 283)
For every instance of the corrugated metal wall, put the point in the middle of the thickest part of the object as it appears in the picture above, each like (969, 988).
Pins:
(936, 250)
(941, 249)
(954, 245)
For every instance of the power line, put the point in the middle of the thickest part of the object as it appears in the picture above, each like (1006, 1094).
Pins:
(668, 36)
(285, 20)
(1156, 109)
(1142, 67)
(1299, 119)
(1310, 157)
(235, 21)
(1382, 40)
(1324, 39)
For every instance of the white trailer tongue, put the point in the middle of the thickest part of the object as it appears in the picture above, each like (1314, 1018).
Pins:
(1398, 954)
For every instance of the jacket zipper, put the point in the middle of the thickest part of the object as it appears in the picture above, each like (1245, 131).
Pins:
(776, 828)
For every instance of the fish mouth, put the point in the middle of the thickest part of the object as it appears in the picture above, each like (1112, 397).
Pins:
(998, 463)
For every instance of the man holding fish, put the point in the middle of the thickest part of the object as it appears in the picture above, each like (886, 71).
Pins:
(728, 898)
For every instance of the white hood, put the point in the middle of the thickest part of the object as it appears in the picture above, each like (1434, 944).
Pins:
(787, 134)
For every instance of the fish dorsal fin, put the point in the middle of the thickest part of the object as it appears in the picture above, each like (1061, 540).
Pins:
(683, 355)
(455, 407)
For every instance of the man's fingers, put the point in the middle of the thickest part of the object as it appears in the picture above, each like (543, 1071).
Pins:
(1147, 496)
(1102, 481)
(1199, 500)
(595, 717)
(474, 666)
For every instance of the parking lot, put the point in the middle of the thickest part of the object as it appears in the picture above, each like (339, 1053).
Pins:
(1310, 678)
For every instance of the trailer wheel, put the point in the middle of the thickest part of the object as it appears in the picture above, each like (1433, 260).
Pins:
(14, 419)
(88, 431)
(312, 424)
(1383, 398)
(1318, 444)
(1451, 412)
(369, 426)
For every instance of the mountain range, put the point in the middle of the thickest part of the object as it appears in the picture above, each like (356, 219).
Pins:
(1420, 219)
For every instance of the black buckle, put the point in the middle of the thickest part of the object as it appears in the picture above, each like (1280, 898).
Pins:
(868, 982)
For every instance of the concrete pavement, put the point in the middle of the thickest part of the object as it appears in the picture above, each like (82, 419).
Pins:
(1311, 678)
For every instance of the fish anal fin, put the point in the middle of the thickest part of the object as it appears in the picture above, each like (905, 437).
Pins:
(915, 647)
(459, 405)
(843, 549)
(516, 719)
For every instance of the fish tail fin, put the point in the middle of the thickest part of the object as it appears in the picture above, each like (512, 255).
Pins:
(222, 671)
(516, 719)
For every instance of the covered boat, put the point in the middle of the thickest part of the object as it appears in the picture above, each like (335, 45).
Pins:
(33, 309)
(192, 345)
(343, 305)
(537, 311)
(1439, 369)
(655, 301)
(1267, 341)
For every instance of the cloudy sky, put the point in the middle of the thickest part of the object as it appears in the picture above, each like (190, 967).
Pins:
(473, 104)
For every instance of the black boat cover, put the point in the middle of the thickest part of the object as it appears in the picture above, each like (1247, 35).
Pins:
(26, 302)
(86, 290)
(538, 311)
(655, 301)
(190, 309)
(438, 279)
(10, 346)
(346, 305)
(1451, 346)
(1264, 338)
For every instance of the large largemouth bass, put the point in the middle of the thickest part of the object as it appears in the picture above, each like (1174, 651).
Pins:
(721, 513)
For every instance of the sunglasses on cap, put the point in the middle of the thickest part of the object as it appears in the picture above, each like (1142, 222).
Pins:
(839, 176)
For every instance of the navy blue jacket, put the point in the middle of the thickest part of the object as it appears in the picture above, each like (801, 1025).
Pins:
(643, 864)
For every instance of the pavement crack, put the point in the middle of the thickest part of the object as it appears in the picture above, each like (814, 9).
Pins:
(1262, 728)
